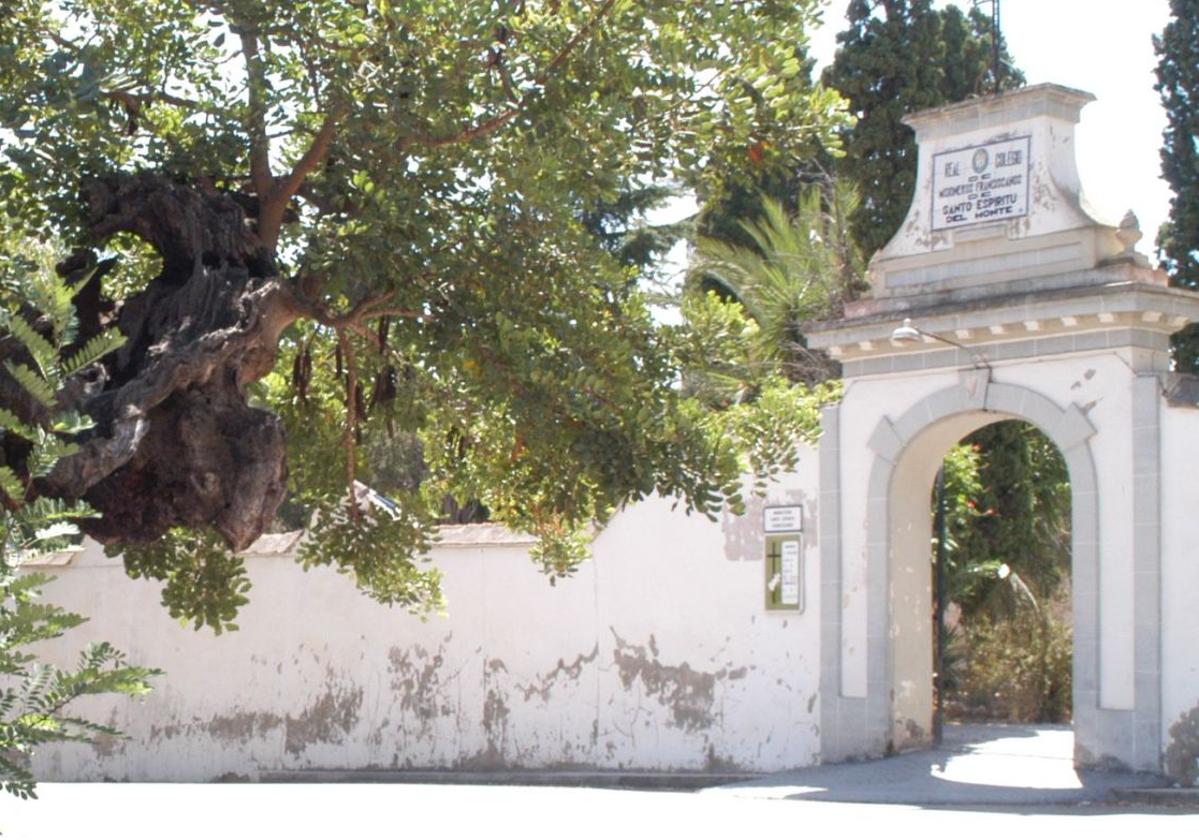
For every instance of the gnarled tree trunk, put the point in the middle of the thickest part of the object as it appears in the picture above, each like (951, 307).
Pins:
(175, 442)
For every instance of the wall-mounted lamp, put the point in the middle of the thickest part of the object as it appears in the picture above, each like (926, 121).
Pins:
(909, 333)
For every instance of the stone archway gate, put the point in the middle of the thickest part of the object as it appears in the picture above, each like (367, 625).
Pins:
(1033, 308)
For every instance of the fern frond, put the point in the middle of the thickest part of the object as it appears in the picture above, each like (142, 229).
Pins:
(10, 484)
(49, 451)
(75, 288)
(43, 351)
(43, 512)
(71, 423)
(31, 381)
(58, 529)
(52, 297)
(12, 423)
(96, 348)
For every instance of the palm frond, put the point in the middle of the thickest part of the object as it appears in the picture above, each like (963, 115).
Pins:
(801, 268)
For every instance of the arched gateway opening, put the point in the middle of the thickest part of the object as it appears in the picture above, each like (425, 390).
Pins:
(1002, 617)
(910, 476)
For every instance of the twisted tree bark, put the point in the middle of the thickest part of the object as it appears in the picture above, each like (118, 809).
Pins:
(175, 442)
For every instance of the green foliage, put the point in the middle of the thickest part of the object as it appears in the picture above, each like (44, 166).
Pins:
(1020, 515)
(367, 544)
(205, 583)
(485, 174)
(620, 226)
(800, 268)
(784, 178)
(38, 316)
(379, 547)
(1017, 668)
(34, 695)
(1178, 84)
(1007, 562)
(645, 90)
(768, 427)
(894, 59)
(735, 385)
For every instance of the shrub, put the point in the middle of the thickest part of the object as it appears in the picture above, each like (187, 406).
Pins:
(1015, 668)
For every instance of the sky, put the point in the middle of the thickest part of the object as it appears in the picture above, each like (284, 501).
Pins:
(1103, 47)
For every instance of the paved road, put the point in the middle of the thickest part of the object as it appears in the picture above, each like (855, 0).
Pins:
(337, 811)
(991, 764)
(1009, 775)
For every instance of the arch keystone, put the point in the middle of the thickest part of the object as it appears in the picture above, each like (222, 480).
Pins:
(1072, 428)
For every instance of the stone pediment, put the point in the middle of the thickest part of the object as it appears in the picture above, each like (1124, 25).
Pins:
(998, 201)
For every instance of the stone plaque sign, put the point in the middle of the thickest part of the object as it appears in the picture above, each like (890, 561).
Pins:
(782, 520)
(981, 184)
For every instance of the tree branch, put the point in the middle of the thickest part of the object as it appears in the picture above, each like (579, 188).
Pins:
(347, 351)
(136, 101)
(273, 203)
(260, 147)
(354, 320)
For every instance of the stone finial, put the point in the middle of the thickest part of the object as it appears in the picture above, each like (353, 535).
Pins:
(1129, 232)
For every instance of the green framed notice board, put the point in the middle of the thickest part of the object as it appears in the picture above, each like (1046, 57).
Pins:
(784, 558)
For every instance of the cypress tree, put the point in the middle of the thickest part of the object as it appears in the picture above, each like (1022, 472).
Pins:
(1178, 84)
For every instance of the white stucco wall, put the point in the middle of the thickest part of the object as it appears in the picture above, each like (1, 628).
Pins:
(865, 402)
(1180, 589)
(659, 654)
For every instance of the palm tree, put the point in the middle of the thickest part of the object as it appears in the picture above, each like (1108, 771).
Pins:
(801, 268)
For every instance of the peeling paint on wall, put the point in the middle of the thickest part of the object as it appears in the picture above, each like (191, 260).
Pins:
(327, 720)
(544, 684)
(744, 538)
(331, 717)
(418, 682)
(460, 693)
(105, 745)
(715, 763)
(689, 694)
(241, 727)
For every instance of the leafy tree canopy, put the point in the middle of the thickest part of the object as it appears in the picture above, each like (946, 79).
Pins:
(322, 224)
(798, 268)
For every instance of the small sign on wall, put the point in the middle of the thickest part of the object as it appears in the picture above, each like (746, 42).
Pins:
(783, 519)
(784, 573)
(783, 525)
